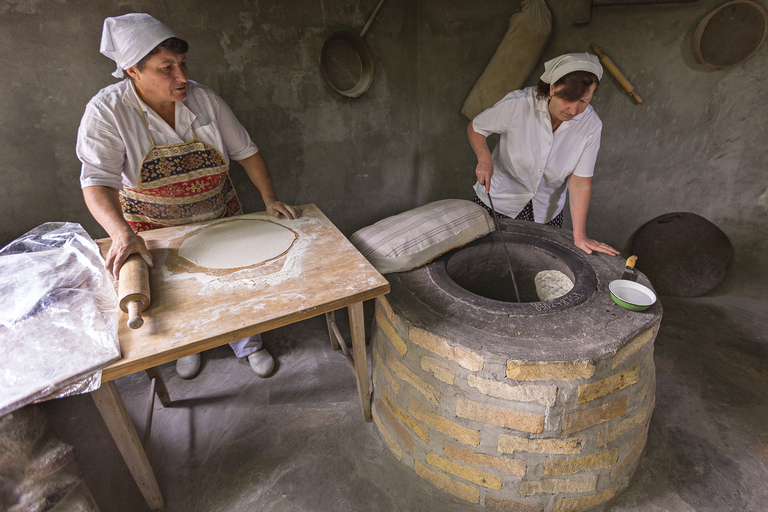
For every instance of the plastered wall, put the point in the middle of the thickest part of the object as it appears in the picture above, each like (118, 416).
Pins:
(696, 144)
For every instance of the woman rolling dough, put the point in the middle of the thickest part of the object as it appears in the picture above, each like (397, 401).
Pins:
(155, 151)
(549, 139)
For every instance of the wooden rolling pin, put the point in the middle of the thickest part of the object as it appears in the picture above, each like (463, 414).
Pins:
(618, 75)
(133, 289)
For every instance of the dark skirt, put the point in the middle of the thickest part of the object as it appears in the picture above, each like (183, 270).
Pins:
(525, 214)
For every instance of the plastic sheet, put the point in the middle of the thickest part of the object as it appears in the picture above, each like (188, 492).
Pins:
(58, 316)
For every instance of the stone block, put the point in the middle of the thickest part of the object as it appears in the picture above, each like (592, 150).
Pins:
(388, 438)
(633, 346)
(507, 465)
(474, 475)
(390, 334)
(393, 383)
(583, 502)
(557, 485)
(405, 418)
(545, 395)
(437, 345)
(608, 385)
(422, 386)
(514, 444)
(614, 431)
(461, 434)
(500, 416)
(400, 430)
(461, 490)
(383, 303)
(580, 420)
(522, 370)
(605, 459)
(442, 371)
(635, 448)
(501, 505)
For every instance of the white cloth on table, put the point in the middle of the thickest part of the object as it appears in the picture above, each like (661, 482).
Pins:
(112, 139)
(530, 163)
(129, 38)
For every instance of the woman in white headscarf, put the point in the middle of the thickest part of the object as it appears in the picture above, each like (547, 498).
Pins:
(549, 139)
(155, 151)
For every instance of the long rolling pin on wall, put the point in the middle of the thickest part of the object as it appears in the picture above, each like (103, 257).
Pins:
(618, 75)
(133, 289)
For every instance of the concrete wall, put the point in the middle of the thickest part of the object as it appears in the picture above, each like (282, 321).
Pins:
(694, 145)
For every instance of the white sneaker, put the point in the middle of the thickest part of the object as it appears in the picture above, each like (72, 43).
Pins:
(187, 367)
(261, 362)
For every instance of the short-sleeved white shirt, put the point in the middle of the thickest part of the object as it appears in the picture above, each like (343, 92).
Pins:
(113, 139)
(530, 163)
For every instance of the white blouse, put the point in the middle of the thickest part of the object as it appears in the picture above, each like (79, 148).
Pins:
(113, 139)
(530, 162)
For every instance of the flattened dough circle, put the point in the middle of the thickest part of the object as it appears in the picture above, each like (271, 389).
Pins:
(237, 243)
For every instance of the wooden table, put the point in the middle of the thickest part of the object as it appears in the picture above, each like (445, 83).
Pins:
(195, 309)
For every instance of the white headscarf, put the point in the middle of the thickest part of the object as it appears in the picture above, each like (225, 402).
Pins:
(558, 67)
(129, 38)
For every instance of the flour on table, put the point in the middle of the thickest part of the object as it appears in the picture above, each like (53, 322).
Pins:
(237, 243)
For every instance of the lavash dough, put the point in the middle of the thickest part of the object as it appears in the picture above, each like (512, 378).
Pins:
(237, 243)
(551, 284)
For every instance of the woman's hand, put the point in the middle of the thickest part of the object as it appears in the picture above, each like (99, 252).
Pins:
(276, 208)
(589, 246)
(484, 171)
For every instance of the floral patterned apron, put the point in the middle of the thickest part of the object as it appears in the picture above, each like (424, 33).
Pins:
(179, 184)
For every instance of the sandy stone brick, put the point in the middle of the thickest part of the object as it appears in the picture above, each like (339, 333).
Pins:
(609, 434)
(393, 383)
(500, 505)
(461, 490)
(606, 459)
(610, 384)
(426, 389)
(439, 369)
(474, 475)
(521, 370)
(501, 416)
(580, 420)
(437, 345)
(558, 485)
(405, 418)
(514, 444)
(391, 443)
(383, 303)
(400, 430)
(512, 466)
(390, 334)
(461, 434)
(632, 347)
(545, 395)
(635, 447)
(583, 502)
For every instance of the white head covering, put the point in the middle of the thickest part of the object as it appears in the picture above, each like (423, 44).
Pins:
(129, 38)
(558, 67)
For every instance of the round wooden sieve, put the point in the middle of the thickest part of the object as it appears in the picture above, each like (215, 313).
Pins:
(730, 34)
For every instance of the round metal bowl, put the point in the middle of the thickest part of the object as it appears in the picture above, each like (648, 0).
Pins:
(631, 295)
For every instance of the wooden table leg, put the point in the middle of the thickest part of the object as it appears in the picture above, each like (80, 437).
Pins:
(330, 319)
(112, 409)
(357, 330)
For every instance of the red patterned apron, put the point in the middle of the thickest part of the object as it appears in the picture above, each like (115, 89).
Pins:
(179, 184)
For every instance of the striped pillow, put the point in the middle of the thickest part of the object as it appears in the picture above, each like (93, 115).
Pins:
(416, 237)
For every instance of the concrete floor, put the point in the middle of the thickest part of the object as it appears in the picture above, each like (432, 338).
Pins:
(296, 442)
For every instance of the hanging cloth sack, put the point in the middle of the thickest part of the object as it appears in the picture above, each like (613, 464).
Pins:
(515, 58)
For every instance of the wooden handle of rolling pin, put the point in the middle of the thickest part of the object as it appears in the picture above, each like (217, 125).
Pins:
(618, 75)
(133, 289)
